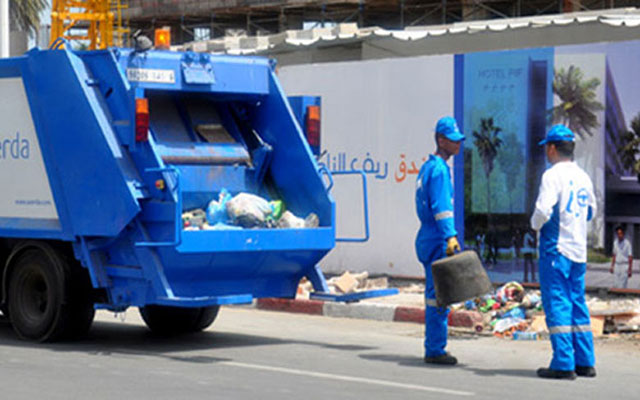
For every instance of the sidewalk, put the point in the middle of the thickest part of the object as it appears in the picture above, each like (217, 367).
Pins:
(403, 307)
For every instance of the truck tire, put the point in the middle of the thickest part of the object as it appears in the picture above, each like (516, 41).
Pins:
(47, 300)
(165, 320)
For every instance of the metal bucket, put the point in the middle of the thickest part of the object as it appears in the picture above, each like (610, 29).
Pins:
(459, 278)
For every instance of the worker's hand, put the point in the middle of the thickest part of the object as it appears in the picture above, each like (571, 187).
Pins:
(452, 245)
(630, 274)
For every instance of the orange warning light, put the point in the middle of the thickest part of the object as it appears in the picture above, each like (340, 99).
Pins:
(163, 38)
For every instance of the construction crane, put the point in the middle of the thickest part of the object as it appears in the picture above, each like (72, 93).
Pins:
(98, 22)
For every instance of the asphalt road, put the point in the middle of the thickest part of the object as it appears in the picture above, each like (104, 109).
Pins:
(251, 354)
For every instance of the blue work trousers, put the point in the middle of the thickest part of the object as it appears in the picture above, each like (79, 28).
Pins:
(435, 318)
(567, 315)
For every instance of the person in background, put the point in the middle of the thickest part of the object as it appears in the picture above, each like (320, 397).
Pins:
(622, 260)
(437, 234)
(565, 204)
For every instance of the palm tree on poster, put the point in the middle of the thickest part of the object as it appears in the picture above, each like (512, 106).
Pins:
(629, 147)
(578, 103)
(25, 14)
(487, 142)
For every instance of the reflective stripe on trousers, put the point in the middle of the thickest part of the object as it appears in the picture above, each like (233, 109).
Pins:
(569, 329)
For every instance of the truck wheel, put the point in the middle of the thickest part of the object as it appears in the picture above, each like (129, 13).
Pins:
(44, 305)
(167, 320)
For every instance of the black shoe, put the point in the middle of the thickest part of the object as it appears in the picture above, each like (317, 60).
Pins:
(556, 374)
(587, 372)
(444, 359)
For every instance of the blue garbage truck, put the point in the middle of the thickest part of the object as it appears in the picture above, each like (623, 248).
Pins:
(101, 153)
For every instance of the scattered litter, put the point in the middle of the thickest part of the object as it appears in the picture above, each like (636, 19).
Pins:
(346, 283)
(506, 324)
(512, 291)
(519, 335)
(194, 219)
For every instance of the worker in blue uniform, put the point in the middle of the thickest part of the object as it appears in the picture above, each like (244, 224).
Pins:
(437, 234)
(565, 203)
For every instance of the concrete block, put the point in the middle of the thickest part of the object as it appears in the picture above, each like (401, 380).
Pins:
(465, 318)
(314, 307)
(409, 314)
(378, 312)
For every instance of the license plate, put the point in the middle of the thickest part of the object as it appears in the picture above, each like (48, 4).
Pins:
(151, 75)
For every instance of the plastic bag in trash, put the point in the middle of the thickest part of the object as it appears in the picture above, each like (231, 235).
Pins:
(217, 209)
(277, 208)
(289, 220)
(312, 221)
(516, 312)
(220, 226)
(248, 210)
(506, 324)
(512, 291)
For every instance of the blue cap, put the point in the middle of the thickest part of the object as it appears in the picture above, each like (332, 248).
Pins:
(558, 133)
(448, 128)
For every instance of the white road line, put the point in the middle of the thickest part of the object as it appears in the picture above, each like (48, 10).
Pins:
(348, 378)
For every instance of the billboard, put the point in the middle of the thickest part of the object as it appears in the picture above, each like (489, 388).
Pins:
(382, 113)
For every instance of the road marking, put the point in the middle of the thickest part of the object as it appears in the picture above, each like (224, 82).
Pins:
(346, 378)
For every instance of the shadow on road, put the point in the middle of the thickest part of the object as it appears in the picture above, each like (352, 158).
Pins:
(408, 361)
(106, 338)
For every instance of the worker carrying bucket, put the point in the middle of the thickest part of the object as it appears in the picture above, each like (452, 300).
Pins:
(437, 234)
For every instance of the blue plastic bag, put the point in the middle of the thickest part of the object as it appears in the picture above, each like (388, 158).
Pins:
(217, 210)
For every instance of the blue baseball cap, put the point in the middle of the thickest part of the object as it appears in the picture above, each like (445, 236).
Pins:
(558, 133)
(448, 127)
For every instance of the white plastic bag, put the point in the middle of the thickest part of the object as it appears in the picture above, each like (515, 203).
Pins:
(248, 210)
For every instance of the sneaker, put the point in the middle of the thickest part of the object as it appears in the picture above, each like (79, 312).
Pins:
(443, 359)
(555, 374)
(587, 372)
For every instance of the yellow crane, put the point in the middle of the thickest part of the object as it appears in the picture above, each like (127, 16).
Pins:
(97, 22)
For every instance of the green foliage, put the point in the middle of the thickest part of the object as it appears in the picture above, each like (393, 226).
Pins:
(628, 149)
(597, 256)
(487, 142)
(578, 103)
(25, 14)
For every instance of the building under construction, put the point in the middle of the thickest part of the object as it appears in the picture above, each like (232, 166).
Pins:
(200, 20)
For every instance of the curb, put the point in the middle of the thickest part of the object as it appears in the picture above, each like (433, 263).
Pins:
(371, 311)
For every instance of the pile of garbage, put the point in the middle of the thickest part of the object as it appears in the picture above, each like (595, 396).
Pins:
(244, 210)
(515, 313)
(509, 311)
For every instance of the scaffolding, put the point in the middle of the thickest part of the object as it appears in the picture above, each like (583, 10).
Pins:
(96, 24)
(255, 17)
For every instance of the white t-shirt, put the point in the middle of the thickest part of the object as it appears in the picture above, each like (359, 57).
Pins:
(529, 244)
(565, 204)
(622, 251)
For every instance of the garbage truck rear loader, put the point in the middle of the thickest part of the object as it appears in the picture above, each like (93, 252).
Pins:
(101, 152)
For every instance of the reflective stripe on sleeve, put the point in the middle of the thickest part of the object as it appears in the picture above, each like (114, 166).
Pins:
(444, 215)
(431, 302)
